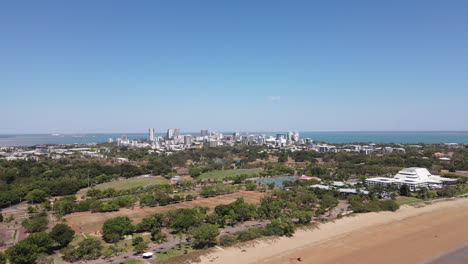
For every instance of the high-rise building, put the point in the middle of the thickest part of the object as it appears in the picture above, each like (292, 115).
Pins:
(188, 140)
(176, 132)
(261, 140)
(236, 136)
(204, 133)
(151, 135)
(170, 134)
(296, 136)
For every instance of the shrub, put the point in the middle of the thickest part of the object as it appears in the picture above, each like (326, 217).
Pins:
(249, 234)
(227, 240)
(279, 228)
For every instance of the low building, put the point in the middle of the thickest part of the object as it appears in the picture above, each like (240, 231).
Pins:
(414, 177)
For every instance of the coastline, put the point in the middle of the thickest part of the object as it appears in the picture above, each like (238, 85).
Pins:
(410, 235)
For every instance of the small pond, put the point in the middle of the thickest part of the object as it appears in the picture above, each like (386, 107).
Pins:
(277, 180)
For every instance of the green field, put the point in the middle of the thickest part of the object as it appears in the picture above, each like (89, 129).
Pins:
(131, 183)
(127, 184)
(221, 174)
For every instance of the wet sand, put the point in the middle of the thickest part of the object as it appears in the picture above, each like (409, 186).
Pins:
(410, 235)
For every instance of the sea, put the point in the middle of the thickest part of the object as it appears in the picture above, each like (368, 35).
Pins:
(381, 137)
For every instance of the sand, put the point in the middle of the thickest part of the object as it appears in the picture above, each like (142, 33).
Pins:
(410, 235)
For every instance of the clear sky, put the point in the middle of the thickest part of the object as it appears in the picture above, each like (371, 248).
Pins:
(124, 66)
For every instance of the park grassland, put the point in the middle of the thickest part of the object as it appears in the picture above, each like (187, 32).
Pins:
(127, 184)
(221, 174)
(132, 183)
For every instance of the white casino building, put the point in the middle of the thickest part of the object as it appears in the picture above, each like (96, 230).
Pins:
(414, 177)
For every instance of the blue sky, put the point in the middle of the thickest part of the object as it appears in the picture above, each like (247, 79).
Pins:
(124, 66)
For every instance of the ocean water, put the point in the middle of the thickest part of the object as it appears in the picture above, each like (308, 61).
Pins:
(329, 137)
(428, 137)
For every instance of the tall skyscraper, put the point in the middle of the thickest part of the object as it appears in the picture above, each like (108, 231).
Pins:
(236, 136)
(188, 140)
(151, 135)
(170, 134)
(176, 133)
(297, 136)
(204, 133)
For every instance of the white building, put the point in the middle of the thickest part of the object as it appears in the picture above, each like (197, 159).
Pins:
(414, 177)
(151, 134)
(170, 134)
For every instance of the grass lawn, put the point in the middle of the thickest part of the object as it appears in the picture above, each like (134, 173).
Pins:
(176, 251)
(127, 184)
(221, 174)
(127, 244)
(131, 183)
(401, 200)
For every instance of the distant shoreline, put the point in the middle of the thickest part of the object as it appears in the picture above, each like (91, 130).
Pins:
(339, 137)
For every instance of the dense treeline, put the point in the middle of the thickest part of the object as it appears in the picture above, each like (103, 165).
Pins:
(55, 178)
(38, 245)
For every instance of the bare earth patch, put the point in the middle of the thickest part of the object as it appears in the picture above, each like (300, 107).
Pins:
(92, 222)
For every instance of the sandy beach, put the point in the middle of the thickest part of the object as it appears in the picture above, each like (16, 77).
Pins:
(410, 235)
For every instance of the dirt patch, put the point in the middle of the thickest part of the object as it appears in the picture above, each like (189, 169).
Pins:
(91, 222)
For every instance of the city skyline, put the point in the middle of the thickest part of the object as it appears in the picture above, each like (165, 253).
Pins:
(109, 66)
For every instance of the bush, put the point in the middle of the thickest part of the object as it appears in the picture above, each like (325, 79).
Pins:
(249, 234)
(227, 240)
(251, 186)
(375, 206)
(279, 228)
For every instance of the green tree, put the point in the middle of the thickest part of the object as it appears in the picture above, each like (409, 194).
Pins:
(62, 234)
(183, 219)
(280, 228)
(41, 240)
(114, 228)
(89, 249)
(158, 236)
(205, 236)
(195, 172)
(3, 258)
(404, 190)
(36, 196)
(150, 223)
(269, 208)
(303, 217)
(22, 253)
(137, 240)
(36, 223)
(139, 244)
(227, 240)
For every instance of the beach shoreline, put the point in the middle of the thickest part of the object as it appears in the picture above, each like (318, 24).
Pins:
(410, 235)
